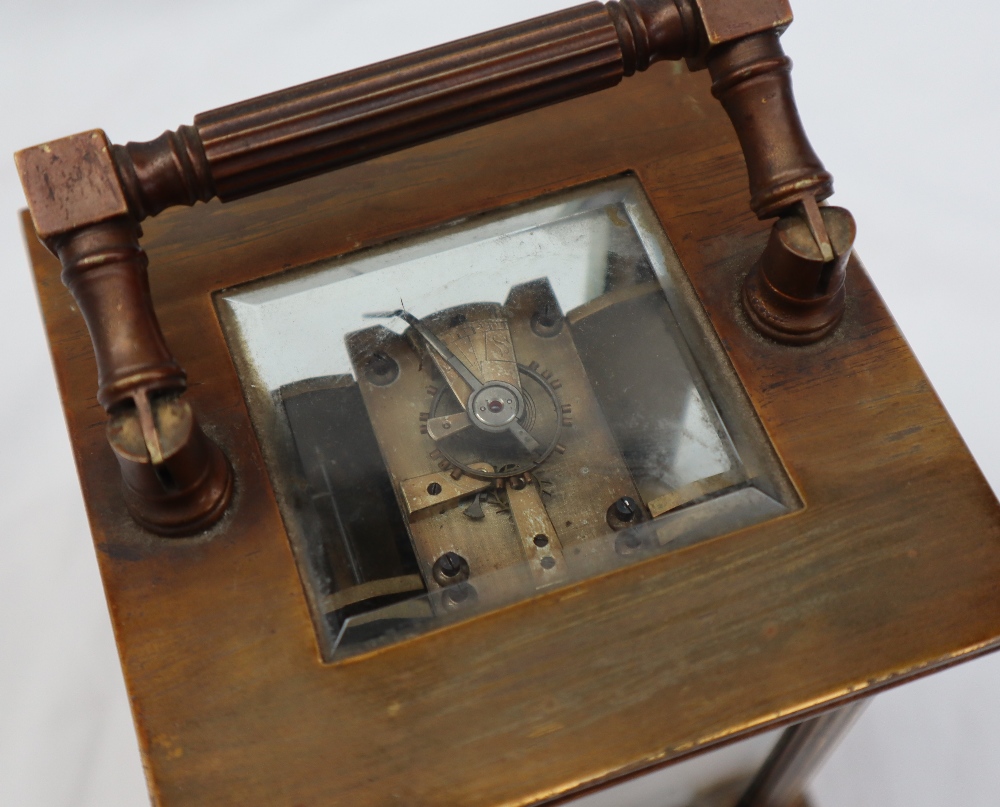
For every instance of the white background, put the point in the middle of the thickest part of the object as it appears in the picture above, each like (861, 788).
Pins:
(900, 99)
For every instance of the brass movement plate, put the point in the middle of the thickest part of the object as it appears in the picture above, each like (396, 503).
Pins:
(887, 572)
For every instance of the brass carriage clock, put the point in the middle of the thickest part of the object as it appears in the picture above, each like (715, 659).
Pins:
(522, 449)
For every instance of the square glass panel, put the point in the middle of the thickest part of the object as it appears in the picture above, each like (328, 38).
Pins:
(494, 409)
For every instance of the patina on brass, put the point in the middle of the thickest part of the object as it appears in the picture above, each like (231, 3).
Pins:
(795, 293)
(176, 481)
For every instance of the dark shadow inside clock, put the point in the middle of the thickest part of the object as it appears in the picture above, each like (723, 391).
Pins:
(493, 410)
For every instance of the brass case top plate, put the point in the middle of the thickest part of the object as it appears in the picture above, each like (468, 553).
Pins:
(888, 571)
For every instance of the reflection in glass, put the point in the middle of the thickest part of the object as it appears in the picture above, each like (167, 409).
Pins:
(492, 410)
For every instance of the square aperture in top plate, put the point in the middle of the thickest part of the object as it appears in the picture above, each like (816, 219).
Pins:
(497, 408)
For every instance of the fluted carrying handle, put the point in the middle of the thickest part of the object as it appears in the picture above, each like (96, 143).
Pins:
(87, 197)
(276, 139)
(327, 124)
(317, 127)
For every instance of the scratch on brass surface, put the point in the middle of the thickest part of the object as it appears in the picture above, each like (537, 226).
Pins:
(547, 728)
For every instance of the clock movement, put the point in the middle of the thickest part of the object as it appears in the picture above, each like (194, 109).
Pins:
(484, 428)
